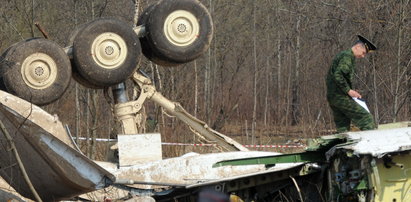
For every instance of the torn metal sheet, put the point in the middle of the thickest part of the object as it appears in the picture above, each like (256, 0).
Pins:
(277, 168)
(194, 168)
(48, 122)
(56, 170)
(379, 142)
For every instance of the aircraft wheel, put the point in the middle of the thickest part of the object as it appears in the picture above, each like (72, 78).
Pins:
(177, 31)
(37, 70)
(145, 45)
(106, 52)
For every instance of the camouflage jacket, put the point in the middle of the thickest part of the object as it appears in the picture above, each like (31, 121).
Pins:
(340, 75)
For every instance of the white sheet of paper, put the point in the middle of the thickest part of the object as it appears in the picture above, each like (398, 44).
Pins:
(361, 102)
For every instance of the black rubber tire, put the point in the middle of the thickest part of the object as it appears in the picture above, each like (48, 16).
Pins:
(160, 49)
(76, 76)
(142, 19)
(95, 73)
(82, 81)
(3, 61)
(145, 45)
(13, 67)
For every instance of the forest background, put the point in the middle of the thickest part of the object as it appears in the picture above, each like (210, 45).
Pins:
(260, 82)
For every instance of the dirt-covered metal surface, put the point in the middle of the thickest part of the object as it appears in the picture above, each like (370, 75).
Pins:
(56, 170)
(194, 168)
(379, 142)
(46, 121)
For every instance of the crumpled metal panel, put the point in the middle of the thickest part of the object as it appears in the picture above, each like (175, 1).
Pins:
(192, 168)
(55, 168)
(46, 121)
(379, 142)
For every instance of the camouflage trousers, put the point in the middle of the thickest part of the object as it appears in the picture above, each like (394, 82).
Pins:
(346, 110)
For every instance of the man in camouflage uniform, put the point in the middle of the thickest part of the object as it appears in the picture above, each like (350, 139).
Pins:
(340, 92)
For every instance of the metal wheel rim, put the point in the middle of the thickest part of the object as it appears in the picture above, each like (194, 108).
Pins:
(109, 50)
(39, 71)
(181, 28)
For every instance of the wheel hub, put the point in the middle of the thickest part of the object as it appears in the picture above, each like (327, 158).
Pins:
(181, 28)
(109, 50)
(39, 71)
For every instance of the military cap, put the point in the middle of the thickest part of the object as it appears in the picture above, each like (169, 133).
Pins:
(368, 45)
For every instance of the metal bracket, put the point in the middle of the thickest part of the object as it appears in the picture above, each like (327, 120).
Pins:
(126, 112)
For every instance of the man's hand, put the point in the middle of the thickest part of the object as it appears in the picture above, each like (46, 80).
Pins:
(354, 93)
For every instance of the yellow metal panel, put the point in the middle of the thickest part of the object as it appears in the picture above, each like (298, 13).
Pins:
(394, 183)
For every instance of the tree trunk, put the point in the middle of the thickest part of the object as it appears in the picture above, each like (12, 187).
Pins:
(295, 86)
(287, 91)
(87, 117)
(195, 89)
(207, 86)
(136, 11)
(400, 71)
(77, 89)
(32, 18)
(376, 112)
(277, 94)
(94, 117)
(267, 77)
(255, 75)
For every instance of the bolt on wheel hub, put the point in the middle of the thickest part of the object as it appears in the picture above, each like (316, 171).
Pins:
(39, 71)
